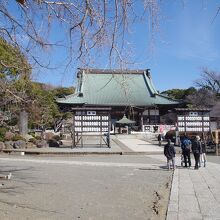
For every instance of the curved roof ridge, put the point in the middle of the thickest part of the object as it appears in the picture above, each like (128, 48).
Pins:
(111, 71)
(149, 83)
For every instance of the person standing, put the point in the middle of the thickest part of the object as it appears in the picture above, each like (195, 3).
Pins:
(197, 149)
(186, 147)
(203, 154)
(170, 152)
(159, 138)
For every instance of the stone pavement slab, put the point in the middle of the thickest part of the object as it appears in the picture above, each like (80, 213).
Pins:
(195, 193)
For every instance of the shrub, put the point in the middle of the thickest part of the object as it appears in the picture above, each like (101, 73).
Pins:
(9, 136)
(56, 137)
(32, 133)
(33, 140)
(13, 121)
(3, 130)
(38, 138)
(18, 137)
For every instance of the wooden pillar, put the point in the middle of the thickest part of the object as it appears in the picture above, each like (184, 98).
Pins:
(101, 133)
(216, 142)
(81, 133)
(149, 115)
(141, 120)
(109, 130)
(74, 133)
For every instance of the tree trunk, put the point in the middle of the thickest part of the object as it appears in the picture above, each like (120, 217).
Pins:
(23, 122)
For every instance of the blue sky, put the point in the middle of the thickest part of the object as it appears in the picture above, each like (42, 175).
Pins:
(187, 41)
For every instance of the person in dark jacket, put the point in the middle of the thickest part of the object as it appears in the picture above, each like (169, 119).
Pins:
(197, 149)
(169, 152)
(159, 138)
(186, 148)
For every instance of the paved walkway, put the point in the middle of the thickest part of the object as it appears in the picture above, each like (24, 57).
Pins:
(195, 194)
(137, 145)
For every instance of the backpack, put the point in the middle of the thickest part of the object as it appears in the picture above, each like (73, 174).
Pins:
(186, 144)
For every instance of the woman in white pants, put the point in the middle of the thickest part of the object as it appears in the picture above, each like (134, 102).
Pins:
(203, 154)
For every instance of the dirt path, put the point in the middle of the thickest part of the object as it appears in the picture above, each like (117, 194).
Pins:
(68, 191)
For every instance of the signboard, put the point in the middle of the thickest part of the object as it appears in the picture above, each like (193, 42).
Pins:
(88, 121)
(91, 123)
(91, 112)
(194, 123)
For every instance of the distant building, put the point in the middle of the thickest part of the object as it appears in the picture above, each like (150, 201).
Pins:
(129, 92)
(215, 116)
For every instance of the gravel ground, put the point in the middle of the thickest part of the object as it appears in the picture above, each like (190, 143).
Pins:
(41, 190)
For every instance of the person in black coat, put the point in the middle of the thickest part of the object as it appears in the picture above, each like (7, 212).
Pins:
(159, 138)
(169, 152)
(197, 149)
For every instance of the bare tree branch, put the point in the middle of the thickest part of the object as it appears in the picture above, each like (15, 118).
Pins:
(217, 12)
(210, 79)
(93, 26)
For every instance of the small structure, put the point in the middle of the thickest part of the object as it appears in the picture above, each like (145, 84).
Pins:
(125, 122)
(91, 122)
(193, 120)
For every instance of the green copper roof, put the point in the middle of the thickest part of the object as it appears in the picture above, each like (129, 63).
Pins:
(125, 120)
(116, 88)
